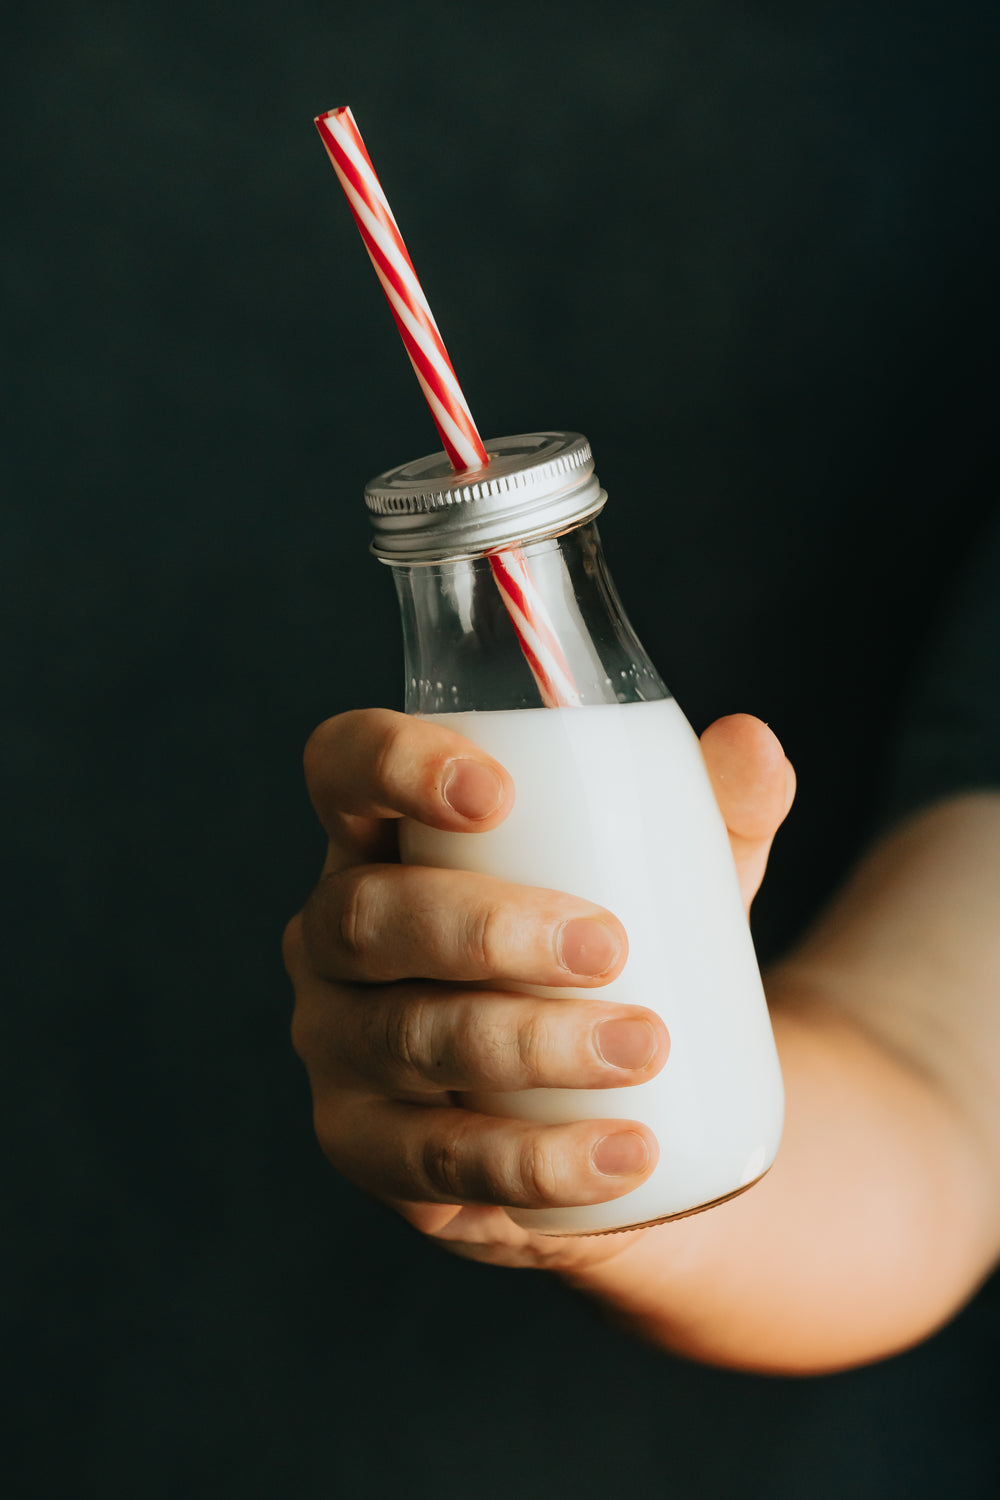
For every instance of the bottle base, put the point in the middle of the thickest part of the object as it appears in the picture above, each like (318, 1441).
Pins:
(580, 1234)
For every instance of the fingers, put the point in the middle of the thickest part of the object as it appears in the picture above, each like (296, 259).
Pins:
(749, 774)
(379, 764)
(448, 1155)
(754, 785)
(418, 1040)
(412, 1039)
(379, 923)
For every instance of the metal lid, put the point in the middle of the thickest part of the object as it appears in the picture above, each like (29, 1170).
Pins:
(535, 484)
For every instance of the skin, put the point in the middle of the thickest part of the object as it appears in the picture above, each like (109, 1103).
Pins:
(877, 1221)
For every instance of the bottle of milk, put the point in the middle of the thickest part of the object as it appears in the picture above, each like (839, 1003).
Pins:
(613, 804)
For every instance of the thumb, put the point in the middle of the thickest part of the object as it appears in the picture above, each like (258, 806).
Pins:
(754, 785)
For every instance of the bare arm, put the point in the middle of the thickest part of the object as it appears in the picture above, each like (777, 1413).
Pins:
(881, 1215)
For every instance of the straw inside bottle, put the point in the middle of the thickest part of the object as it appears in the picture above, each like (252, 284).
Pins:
(448, 406)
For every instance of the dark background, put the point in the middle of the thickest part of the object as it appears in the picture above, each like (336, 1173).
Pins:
(750, 250)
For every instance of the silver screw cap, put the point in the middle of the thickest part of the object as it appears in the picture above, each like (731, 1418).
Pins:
(534, 485)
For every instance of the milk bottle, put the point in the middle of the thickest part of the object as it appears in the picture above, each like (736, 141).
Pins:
(613, 804)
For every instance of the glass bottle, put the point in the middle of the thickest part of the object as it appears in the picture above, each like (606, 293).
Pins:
(613, 803)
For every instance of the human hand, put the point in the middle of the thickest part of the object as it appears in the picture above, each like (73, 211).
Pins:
(391, 1020)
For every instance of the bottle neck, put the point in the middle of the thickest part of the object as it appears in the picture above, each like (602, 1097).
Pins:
(462, 650)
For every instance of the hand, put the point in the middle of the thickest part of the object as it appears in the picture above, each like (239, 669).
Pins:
(390, 1017)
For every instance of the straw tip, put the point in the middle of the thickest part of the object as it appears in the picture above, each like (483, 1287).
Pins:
(338, 109)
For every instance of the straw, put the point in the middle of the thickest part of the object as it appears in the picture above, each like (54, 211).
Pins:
(448, 406)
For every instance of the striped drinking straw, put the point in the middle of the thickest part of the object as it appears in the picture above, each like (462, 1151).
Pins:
(448, 407)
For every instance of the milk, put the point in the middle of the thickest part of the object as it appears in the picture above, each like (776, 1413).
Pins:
(614, 805)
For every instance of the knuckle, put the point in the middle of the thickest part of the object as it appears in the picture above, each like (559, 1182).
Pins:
(404, 1036)
(537, 1171)
(474, 1048)
(310, 1036)
(302, 1034)
(484, 938)
(324, 749)
(292, 944)
(357, 906)
(392, 730)
(533, 1045)
(442, 1164)
(317, 748)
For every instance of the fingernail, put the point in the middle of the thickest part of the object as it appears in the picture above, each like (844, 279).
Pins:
(472, 789)
(620, 1155)
(587, 946)
(626, 1043)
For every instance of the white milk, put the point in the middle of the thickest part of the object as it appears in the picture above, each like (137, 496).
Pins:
(614, 805)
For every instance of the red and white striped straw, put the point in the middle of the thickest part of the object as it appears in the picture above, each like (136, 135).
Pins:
(448, 407)
(534, 629)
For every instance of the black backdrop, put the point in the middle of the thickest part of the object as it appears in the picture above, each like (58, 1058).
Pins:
(750, 251)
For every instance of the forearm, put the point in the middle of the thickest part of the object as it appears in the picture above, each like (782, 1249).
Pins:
(863, 1237)
(878, 1220)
